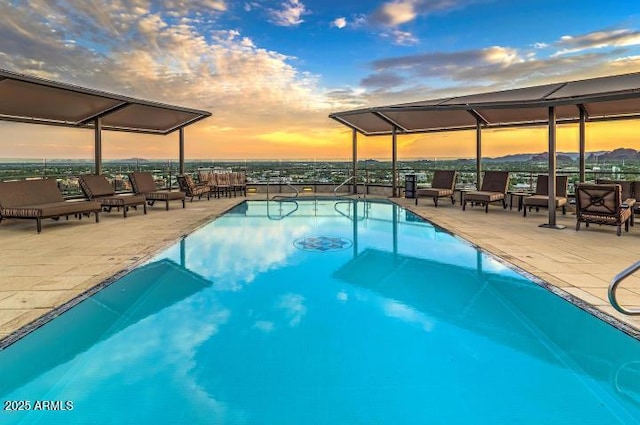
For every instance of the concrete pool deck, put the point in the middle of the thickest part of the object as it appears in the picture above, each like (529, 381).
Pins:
(41, 272)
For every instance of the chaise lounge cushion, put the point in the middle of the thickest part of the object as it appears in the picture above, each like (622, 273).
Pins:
(543, 201)
(482, 196)
(51, 209)
(434, 192)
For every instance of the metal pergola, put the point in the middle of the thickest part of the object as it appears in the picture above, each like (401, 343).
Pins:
(591, 100)
(33, 100)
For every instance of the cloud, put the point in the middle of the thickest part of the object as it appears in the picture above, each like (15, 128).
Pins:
(445, 74)
(401, 38)
(597, 40)
(339, 23)
(126, 49)
(294, 308)
(395, 13)
(289, 14)
(382, 80)
(398, 12)
(197, 5)
(123, 47)
(442, 63)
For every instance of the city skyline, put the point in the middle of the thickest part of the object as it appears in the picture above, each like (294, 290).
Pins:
(272, 71)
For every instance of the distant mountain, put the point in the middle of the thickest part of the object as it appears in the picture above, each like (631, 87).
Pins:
(615, 155)
(544, 157)
(518, 157)
(620, 154)
(536, 157)
(129, 160)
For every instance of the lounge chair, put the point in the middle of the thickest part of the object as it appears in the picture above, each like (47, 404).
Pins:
(602, 204)
(442, 185)
(38, 199)
(193, 189)
(541, 198)
(98, 188)
(143, 184)
(494, 188)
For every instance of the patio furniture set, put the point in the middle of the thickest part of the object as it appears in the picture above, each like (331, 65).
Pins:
(605, 202)
(38, 199)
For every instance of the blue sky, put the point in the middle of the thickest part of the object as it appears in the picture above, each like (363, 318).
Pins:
(272, 70)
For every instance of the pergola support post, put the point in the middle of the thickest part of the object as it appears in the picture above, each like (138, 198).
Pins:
(181, 150)
(582, 166)
(97, 169)
(552, 172)
(478, 154)
(394, 162)
(354, 161)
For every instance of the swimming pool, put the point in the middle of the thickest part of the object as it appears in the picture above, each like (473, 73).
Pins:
(322, 312)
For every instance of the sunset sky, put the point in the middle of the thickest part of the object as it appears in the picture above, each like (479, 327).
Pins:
(271, 71)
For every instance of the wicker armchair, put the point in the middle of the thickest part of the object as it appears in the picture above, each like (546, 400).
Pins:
(602, 204)
(193, 189)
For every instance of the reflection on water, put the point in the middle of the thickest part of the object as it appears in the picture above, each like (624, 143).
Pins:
(234, 325)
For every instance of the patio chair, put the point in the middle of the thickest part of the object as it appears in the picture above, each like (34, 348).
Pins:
(494, 188)
(143, 184)
(540, 199)
(442, 185)
(223, 183)
(630, 194)
(98, 188)
(238, 182)
(38, 199)
(601, 204)
(206, 177)
(193, 189)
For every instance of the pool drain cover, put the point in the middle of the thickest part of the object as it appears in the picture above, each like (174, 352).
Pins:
(322, 243)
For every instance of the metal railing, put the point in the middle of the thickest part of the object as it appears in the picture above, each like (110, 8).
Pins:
(613, 286)
(373, 173)
(335, 191)
(282, 215)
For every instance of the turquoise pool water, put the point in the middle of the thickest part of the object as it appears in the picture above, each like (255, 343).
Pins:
(322, 312)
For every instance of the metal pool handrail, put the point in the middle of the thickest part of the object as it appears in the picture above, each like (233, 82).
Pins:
(282, 216)
(297, 192)
(613, 286)
(335, 191)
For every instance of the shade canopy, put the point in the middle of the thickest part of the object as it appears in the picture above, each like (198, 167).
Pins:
(600, 99)
(38, 101)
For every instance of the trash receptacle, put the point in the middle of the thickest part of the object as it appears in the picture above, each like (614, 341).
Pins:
(410, 186)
